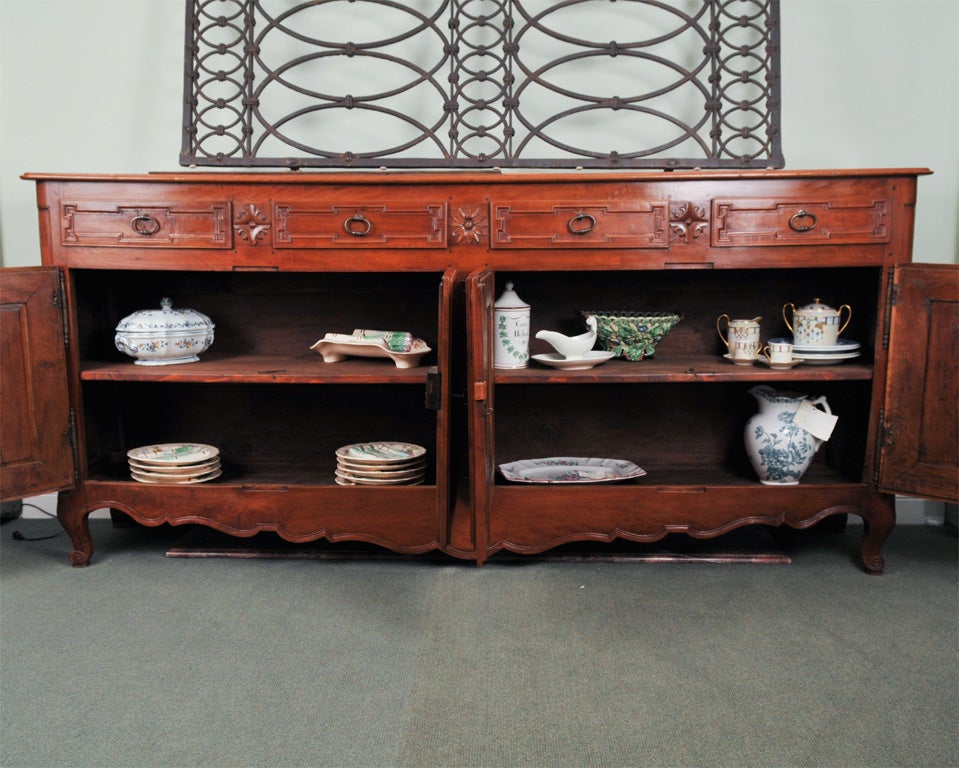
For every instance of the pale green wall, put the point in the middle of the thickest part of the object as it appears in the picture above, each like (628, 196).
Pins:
(95, 86)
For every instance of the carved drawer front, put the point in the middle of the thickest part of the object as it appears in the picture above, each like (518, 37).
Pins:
(146, 225)
(579, 224)
(345, 224)
(801, 221)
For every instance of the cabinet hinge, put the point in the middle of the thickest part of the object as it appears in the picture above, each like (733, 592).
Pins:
(71, 436)
(892, 297)
(60, 302)
(883, 440)
(434, 389)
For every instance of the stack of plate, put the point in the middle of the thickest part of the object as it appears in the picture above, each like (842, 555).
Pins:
(178, 463)
(383, 463)
(839, 352)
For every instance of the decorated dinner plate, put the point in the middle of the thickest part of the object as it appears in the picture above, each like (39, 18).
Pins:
(383, 474)
(173, 453)
(174, 479)
(153, 470)
(340, 480)
(384, 452)
(372, 466)
(569, 469)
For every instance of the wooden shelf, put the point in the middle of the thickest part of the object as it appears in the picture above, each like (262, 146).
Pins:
(260, 369)
(686, 368)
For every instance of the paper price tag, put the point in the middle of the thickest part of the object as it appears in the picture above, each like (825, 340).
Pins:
(817, 423)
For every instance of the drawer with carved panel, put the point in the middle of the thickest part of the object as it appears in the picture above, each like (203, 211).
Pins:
(99, 223)
(604, 221)
(799, 221)
(342, 222)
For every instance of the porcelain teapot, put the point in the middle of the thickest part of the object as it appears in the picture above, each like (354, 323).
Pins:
(816, 324)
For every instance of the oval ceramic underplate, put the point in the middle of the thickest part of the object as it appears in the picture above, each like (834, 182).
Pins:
(568, 469)
(580, 363)
(174, 453)
(383, 452)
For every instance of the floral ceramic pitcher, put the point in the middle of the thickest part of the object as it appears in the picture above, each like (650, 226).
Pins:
(780, 450)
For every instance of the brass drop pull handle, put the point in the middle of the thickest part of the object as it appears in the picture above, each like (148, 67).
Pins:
(358, 225)
(145, 225)
(581, 224)
(802, 221)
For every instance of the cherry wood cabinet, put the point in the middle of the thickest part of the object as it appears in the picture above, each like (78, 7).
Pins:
(277, 260)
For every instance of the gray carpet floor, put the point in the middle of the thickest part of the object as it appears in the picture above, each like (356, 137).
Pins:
(146, 660)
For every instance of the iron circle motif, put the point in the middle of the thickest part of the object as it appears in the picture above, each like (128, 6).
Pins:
(802, 221)
(358, 219)
(581, 224)
(145, 225)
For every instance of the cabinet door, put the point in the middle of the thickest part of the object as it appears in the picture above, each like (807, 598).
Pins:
(479, 313)
(36, 438)
(920, 452)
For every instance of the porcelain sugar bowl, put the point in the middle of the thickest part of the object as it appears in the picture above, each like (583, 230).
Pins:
(816, 324)
(164, 336)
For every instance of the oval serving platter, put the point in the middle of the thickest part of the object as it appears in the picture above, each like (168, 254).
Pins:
(569, 469)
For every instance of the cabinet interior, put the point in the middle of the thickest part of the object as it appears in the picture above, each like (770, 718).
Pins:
(260, 313)
(700, 297)
(281, 432)
(680, 428)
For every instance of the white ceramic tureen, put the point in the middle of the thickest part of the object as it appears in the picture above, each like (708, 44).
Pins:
(164, 336)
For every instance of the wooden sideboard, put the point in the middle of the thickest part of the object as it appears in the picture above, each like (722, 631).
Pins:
(279, 259)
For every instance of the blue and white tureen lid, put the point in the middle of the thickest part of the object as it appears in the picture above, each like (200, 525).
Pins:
(166, 318)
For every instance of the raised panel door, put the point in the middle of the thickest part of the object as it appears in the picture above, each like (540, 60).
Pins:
(36, 435)
(920, 449)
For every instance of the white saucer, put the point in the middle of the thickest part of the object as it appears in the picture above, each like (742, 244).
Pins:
(830, 359)
(581, 363)
(739, 360)
(782, 366)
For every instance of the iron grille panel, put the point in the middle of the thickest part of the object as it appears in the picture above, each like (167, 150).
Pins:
(482, 83)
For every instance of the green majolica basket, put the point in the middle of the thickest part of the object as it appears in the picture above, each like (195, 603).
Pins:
(632, 335)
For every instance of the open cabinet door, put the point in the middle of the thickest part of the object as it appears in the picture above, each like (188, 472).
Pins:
(920, 451)
(479, 313)
(438, 398)
(36, 435)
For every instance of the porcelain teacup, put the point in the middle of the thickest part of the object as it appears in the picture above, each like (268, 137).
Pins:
(741, 351)
(778, 351)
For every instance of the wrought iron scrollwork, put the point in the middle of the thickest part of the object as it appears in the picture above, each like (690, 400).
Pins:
(482, 83)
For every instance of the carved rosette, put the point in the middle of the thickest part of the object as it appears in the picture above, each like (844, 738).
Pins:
(687, 221)
(468, 226)
(251, 225)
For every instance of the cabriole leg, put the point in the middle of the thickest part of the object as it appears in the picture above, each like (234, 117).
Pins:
(74, 517)
(879, 518)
